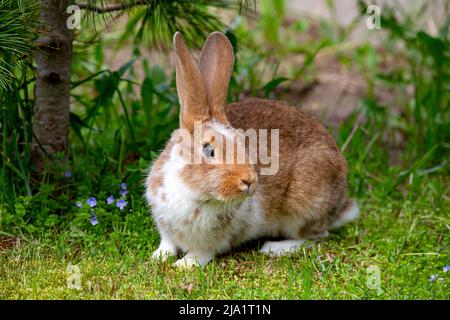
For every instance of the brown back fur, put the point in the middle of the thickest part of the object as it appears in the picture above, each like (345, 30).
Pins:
(312, 177)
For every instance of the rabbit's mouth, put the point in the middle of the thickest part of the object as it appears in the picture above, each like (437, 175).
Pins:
(247, 188)
(237, 187)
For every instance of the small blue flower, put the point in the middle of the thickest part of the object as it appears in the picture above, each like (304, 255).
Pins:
(109, 200)
(123, 193)
(123, 185)
(67, 174)
(432, 278)
(94, 219)
(92, 202)
(446, 268)
(121, 204)
(78, 204)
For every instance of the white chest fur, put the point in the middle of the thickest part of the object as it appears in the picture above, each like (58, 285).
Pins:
(191, 223)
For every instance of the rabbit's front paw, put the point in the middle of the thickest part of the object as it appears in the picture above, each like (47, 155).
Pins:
(186, 263)
(164, 251)
(279, 248)
(191, 260)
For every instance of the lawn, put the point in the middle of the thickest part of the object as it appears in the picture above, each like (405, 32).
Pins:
(397, 249)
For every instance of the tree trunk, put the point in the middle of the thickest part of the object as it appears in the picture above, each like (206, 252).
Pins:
(52, 104)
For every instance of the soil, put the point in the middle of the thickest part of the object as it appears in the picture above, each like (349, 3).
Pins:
(8, 242)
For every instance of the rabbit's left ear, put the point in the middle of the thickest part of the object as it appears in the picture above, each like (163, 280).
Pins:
(216, 66)
(190, 86)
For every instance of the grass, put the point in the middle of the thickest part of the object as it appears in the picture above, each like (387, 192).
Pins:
(407, 241)
(400, 241)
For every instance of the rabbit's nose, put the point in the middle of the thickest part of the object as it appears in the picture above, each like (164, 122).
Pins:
(247, 183)
(245, 186)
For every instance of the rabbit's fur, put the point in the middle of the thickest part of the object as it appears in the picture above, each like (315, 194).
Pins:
(207, 208)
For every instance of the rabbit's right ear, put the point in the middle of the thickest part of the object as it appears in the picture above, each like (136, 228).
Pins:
(190, 86)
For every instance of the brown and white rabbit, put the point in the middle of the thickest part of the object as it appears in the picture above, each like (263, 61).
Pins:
(204, 209)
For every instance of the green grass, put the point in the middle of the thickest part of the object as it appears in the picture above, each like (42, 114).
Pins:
(408, 241)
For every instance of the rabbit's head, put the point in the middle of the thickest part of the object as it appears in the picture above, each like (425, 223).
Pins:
(214, 156)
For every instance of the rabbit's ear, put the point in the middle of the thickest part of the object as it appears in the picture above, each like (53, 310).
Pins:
(216, 66)
(190, 86)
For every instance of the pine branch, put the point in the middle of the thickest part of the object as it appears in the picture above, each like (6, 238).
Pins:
(112, 8)
(17, 36)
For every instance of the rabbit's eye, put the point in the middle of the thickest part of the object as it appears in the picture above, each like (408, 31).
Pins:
(208, 150)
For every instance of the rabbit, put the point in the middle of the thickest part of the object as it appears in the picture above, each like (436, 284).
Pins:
(207, 208)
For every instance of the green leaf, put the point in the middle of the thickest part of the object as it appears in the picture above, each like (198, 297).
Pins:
(147, 90)
(271, 85)
(416, 166)
(157, 75)
(153, 155)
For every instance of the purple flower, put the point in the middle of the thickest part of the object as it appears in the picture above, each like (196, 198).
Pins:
(121, 204)
(92, 202)
(109, 200)
(78, 204)
(123, 185)
(432, 278)
(446, 268)
(67, 174)
(94, 219)
(123, 193)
